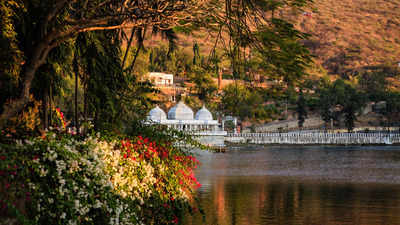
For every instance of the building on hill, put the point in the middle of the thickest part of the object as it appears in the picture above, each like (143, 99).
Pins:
(161, 79)
(167, 86)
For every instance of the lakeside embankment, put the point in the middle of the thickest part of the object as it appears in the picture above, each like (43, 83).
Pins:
(311, 138)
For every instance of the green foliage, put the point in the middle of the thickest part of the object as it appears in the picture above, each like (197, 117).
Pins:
(284, 57)
(161, 133)
(301, 109)
(341, 98)
(374, 84)
(205, 87)
(11, 56)
(239, 100)
(392, 111)
(193, 102)
(177, 62)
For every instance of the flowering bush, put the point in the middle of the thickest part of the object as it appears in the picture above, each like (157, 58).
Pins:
(60, 179)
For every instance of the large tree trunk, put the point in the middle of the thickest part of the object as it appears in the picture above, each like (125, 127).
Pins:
(128, 47)
(85, 115)
(38, 58)
(76, 68)
(51, 103)
(45, 110)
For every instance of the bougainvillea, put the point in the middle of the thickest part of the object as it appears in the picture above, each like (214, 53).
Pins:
(61, 179)
(60, 116)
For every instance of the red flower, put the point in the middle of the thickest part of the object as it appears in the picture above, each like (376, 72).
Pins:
(164, 154)
(198, 184)
(125, 156)
(3, 157)
(175, 220)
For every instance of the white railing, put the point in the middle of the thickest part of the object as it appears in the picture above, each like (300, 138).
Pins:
(207, 133)
(315, 138)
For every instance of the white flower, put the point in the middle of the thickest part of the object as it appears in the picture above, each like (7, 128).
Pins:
(28, 142)
(52, 157)
(97, 204)
(63, 215)
(76, 203)
(43, 172)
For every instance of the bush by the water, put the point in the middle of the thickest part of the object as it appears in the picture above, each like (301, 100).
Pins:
(64, 179)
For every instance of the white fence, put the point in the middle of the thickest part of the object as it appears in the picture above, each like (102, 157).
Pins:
(314, 138)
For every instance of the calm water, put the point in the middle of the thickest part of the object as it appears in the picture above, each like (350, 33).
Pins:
(310, 185)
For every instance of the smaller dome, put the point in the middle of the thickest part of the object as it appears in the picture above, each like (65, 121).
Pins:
(157, 114)
(180, 112)
(203, 114)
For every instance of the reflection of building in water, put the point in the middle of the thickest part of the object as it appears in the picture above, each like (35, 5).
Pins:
(181, 117)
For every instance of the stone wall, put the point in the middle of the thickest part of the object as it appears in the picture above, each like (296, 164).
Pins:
(211, 140)
(312, 122)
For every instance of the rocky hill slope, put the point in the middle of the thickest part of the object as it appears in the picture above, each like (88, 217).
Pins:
(348, 35)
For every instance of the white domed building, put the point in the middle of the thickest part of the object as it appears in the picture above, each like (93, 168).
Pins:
(157, 114)
(181, 117)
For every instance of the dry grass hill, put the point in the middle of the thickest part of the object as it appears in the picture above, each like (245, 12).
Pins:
(347, 35)
(351, 34)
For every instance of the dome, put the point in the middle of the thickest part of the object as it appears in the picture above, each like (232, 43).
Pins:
(180, 112)
(203, 114)
(157, 114)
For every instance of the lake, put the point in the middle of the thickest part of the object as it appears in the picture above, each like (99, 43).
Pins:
(293, 185)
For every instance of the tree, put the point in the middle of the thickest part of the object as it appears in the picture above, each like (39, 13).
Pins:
(196, 54)
(36, 28)
(52, 23)
(204, 85)
(374, 84)
(301, 109)
(245, 102)
(341, 98)
(253, 27)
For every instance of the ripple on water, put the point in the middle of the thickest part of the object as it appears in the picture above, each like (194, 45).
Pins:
(300, 185)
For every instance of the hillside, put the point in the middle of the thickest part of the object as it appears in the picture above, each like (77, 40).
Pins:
(350, 34)
(346, 35)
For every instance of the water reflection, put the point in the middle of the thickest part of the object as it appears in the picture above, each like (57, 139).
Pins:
(308, 185)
